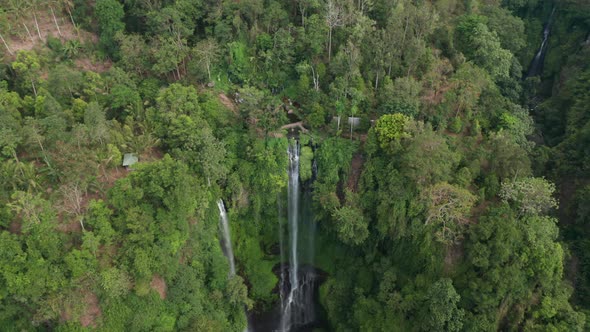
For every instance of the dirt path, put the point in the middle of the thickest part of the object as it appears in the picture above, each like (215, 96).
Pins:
(228, 103)
(355, 172)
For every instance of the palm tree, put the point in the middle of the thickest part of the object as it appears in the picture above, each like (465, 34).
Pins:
(71, 48)
(21, 176)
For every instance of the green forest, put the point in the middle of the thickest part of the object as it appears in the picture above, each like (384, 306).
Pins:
(404, 165)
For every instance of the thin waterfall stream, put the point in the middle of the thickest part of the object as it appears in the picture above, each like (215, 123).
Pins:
(536, 66)
(226, 238)
(226, 245)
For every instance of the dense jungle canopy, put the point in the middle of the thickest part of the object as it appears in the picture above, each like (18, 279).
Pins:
(442, 162)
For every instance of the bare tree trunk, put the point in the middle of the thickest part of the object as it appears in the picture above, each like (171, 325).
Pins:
(55, 20)
(377, 81)
(329, 43)
(15, 157)
(71, 17)
(34, 89)
(43, 151)
(5, 44)
(303, 18)
(18, 163)
(28, 32)
(302, 11)
(37, 25)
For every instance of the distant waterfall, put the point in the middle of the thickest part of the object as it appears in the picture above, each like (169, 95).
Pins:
(226, 239)
(297, 282)
(226, 242)
(536, 66)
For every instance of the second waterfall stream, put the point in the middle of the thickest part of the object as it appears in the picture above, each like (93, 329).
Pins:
(226, 238)
(226, 245)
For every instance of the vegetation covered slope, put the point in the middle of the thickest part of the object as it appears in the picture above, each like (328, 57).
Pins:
(437, 213)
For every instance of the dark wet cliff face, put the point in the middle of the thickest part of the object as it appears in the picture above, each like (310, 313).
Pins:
(306, 312)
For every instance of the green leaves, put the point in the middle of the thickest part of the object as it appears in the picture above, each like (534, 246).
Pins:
(115, 282)
(110, 15)
(351, 225)
(514, 260)
(530, 196)
(305, 163)
(447, 208)
(440, 311)
(391, 127)
(27, 66)
(482, 46)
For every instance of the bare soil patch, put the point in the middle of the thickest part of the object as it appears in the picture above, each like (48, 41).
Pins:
(47, 27)
(95, 66)
(453, 256)
(355, 172)
(15, 227)
(159, 285)
(228, 103)
(92, 311)
(152, 154)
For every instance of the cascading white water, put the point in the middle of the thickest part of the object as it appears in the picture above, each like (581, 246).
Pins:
(281, 246)
(226, 238)
(226, 242)
(536, 65)
(298, 278)
(293, 220)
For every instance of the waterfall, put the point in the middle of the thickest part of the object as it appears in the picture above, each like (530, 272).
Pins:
(226, 242)
(297, 281)
(226, 238)
(288, 304)
(536, 66)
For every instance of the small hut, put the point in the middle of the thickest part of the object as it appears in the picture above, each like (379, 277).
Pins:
(129, 159)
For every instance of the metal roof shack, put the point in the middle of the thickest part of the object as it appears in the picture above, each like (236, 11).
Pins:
(129, 159)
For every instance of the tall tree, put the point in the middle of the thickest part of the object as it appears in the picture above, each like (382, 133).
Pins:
(110, 15)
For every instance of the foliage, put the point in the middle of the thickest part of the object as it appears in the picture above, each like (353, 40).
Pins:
(351, 225)
(483, 46)
(433, 215)
(109, 14)
(447, 207)
(440, 310)
(391, 127)
(531, 196)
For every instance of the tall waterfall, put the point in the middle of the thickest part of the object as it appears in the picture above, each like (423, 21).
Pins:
(226, 242)
(297, 280)
(226, 239)
(536, 66)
